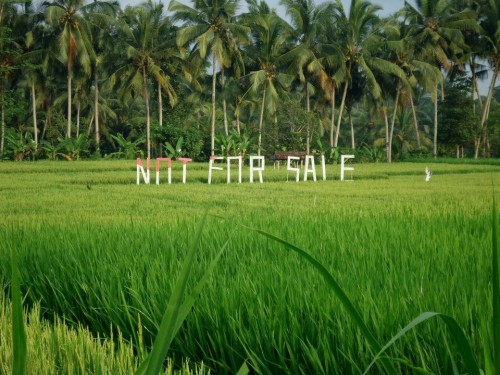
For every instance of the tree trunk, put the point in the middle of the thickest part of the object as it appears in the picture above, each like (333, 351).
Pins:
(386, 119)
(70, 78)
(477, 142)
(393, 121)
(35, 127)
(486, 109)
(486, 142)
(353, 144)
(342, 104)
(160, 106)
(78, 119)
(148, 119)
(212, 130)
(96, 114)
(475, 90)
(479, 98)
(332, 122)
(434, 149)
(91, 122)
(308, 126)
(415, 121)
(224, 104)
(261, 121)
(224, 110)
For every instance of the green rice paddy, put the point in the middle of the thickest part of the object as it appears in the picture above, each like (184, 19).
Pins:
(102, 253)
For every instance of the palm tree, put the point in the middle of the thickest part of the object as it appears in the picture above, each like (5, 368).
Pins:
(211, 29)
(267, 77)
(361, 45)
(72, 44)
(331, 69)
(102, 22)
(490, 35)
(144, 57)
(420, 74)
(400, 51)
(308, 25)
(25, 27)
(437, 34)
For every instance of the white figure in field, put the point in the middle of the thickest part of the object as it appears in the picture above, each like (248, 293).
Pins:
(428, 174)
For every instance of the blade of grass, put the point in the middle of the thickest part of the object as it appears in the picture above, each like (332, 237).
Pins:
(153, 363)
(191, 298)
(455, 331)
(452, 357)
(244, 370)
(488, 359)
(182, 312)
(332, 283)
(496, 291)
(18, 330)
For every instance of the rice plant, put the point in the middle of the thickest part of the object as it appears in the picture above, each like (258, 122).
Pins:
(107, 257)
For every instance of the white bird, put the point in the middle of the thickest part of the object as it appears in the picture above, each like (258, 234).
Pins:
(428, 174)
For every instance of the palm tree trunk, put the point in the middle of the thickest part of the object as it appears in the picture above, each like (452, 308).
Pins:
(486, 110)
(35, 128)
(479, 98)
(96, 113)
(261, 121)
(68, 130)
(160, 106)
(415, 121)
(434, 149)
(148, 119)
(393, 121)
(342, 104)
(475, 91)
(332, 122)
(353, 144)
(224, 104)
(237, 102)
(386, 119)
(91, 122)
(475, 86)
(238, 122)
(308, 109)
(224, 110)
(212, 130)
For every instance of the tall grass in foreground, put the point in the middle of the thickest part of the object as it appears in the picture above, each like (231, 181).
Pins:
(52, 347)
(395, 245)
(260, 299)
(177, 311)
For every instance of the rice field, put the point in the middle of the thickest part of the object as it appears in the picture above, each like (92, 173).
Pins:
(97, 251)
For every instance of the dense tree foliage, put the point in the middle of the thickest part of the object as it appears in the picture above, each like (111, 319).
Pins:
(459, 125)
(88, 79)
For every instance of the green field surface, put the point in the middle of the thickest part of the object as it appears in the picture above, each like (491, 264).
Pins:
(100, 252)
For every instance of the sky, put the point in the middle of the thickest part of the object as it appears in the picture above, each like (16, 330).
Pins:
(388, 6)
